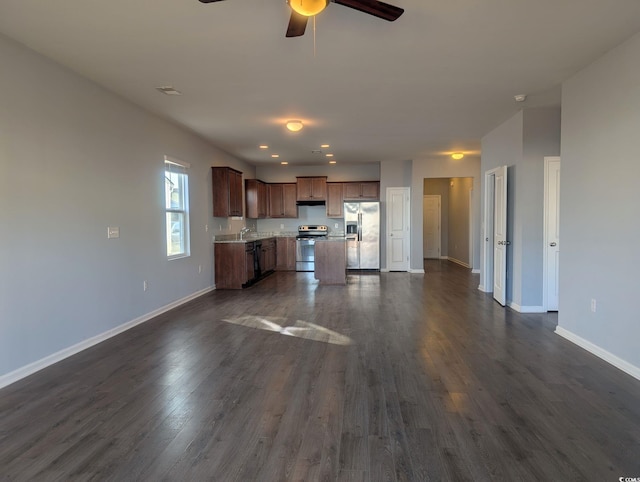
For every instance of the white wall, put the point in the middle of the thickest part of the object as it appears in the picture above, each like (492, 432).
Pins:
(521, 143)
(77, 159)
(392, 174)
(469, 166)
(599, 227)
(369, 171)
(312, 214)
(439, 187)
(458, 213)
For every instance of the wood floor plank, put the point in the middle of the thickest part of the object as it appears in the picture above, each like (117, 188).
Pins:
(394, 376)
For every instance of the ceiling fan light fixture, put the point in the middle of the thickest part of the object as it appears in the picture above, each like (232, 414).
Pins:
(308, 8)
(457, 155)
(294, 125)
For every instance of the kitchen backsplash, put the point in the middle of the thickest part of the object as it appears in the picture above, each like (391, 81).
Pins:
(306, 215)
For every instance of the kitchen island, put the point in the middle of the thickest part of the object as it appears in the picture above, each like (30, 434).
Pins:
(331, 261)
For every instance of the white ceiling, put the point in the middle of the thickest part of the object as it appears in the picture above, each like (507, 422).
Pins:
(435, 81)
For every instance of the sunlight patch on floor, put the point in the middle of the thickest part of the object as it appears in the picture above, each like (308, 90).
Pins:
(299, 329)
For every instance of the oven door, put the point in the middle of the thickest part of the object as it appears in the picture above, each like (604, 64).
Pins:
(305, 254)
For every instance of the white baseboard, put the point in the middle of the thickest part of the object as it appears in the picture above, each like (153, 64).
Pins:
(384, 270)
(444, 257)
(38, 365)
(475, 271)
(416, 271)
(617, 362)
(461, 263)
(525, 309)
(483, 289)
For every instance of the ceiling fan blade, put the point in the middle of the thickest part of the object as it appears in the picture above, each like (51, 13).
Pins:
(373, 7)
(297, 24)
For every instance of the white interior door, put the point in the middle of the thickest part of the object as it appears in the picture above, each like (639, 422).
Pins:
(500, 241)
(398, 241)
(432, 231)
(552, 231)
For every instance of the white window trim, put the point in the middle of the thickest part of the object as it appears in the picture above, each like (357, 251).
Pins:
(187, 240)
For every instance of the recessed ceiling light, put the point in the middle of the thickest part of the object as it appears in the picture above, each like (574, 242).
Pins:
(332, 162)
(294, 125)
(275, 155)
(284, 163)
(264, 146)
(324, 146)
(329, 155)
(168, 90)
(520, 97)
(457, 155)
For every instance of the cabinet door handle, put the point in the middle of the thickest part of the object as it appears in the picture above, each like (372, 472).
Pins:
(553, 243)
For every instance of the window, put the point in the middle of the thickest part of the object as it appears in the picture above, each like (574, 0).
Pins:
(176, 194)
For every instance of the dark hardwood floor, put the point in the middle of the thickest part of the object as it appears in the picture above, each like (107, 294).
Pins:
(392, 377)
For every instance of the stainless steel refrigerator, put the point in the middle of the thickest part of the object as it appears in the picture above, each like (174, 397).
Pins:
(362, 230)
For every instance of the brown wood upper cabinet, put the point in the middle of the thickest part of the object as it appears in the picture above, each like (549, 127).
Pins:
(256, 198)
(227, 192)
(282, 200)
(334, 200)
(356, 191)
(312, 188)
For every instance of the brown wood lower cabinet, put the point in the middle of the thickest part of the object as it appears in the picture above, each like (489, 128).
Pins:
(240, 264)
(268, 255)
(286, 254)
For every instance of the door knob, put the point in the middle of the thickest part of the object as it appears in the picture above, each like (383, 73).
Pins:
(552, 244)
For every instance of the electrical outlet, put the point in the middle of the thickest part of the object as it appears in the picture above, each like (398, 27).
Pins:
(199, 268)
(144, 285)
(281, 226)
(593, 305)
(206, 228)
(336, 225)
(113, 232)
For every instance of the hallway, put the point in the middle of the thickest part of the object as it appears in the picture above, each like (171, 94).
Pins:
(396, 376)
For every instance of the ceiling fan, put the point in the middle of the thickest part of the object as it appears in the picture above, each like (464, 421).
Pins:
(301, 10)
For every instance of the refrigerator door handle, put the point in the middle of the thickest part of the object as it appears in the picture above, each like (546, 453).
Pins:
(359, 226)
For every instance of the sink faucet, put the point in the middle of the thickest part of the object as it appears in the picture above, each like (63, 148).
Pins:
(244, 231)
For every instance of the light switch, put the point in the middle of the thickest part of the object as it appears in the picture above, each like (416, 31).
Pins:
(113, 232)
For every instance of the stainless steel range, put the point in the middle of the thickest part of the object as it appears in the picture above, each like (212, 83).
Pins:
(305, 245)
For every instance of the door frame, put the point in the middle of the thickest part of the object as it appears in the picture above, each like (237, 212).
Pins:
(488, 276)
(545, 234)
(471, 235)
(486, 280)
(500, 229)
(424, 196)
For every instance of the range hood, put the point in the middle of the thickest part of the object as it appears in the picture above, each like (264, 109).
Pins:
(310, 203)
